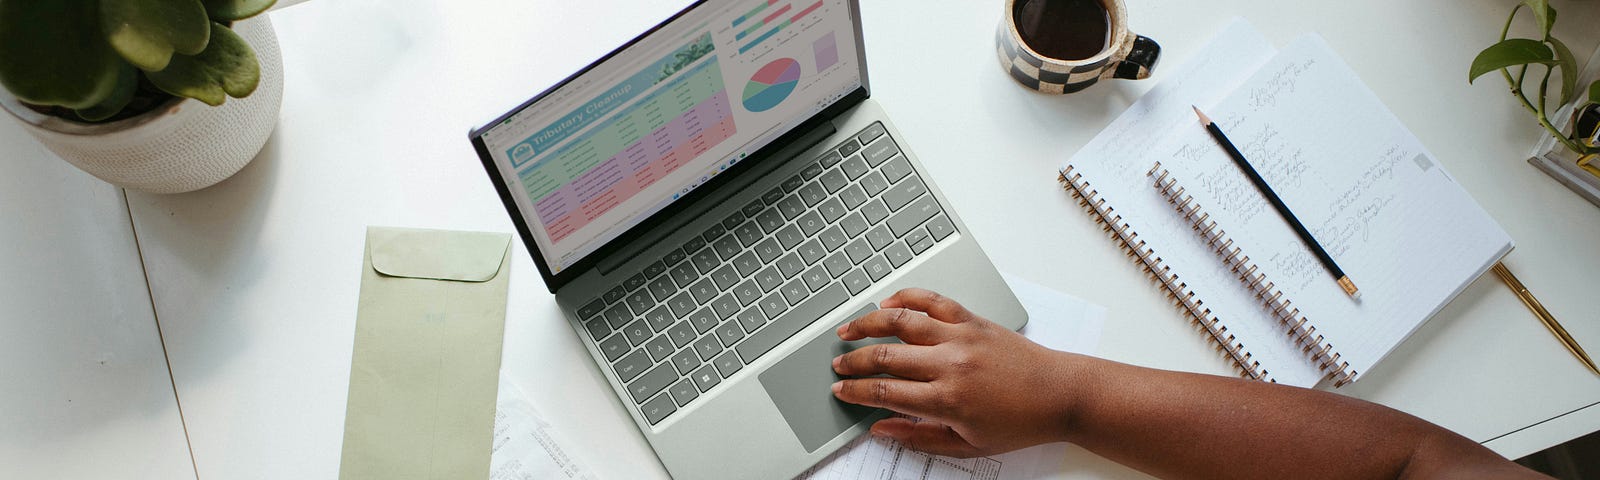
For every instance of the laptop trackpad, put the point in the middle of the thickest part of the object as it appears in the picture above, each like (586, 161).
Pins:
(800, 386)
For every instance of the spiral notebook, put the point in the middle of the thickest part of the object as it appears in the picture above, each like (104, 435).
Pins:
(1377, 200)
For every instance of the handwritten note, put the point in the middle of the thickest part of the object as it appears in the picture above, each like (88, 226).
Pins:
(1364, 186)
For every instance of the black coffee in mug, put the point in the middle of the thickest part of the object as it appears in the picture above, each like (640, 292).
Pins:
(1063, 29)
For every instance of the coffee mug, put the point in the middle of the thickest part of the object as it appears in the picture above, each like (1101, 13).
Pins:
(1063, 46)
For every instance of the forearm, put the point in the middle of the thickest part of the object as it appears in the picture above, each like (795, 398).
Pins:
(1182, 425)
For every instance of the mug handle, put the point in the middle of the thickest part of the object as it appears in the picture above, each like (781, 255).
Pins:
(1141, 59)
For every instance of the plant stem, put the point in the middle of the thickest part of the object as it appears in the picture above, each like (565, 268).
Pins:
(1516, 90)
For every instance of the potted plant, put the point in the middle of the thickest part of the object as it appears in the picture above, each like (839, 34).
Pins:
(1569, 102)
(136, 92)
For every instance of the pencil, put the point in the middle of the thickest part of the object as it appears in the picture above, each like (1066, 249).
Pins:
(1277, 203)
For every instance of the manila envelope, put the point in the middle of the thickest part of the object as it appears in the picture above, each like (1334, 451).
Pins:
(426, 364)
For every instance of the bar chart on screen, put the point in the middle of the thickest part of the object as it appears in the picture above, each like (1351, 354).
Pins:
(769, 24)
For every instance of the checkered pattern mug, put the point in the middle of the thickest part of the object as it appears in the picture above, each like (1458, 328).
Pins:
(1124, 54)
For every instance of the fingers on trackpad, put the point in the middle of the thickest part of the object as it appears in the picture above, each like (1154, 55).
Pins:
(799, 386)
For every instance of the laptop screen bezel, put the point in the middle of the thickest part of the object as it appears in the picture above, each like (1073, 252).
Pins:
(554, 282)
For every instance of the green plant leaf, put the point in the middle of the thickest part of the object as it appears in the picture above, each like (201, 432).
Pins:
(1509, 53)
(127, 84)
(147, 32)
(227, 67)
(1543, 14)
(52, 53)
(1569, 70)
(230, 10)
(1594, 92)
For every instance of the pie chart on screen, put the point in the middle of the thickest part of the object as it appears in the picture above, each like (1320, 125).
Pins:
(771, 85)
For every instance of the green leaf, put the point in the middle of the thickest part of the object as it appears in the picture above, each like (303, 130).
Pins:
(1508, 53)
(1543, 14)
(148, 32)
(1594, 92)
(1569, 70)
(51, 53)
(127, 84)
(230, 10)
(227, 67)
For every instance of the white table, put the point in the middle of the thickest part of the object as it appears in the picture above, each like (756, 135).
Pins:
(254, 281)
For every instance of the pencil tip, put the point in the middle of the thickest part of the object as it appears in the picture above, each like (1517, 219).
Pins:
(1204, 120)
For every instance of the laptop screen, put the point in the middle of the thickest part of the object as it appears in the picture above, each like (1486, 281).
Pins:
(619, 142)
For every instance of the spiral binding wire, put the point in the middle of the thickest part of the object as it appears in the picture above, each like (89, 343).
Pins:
(1295, 324)
(1177, 291)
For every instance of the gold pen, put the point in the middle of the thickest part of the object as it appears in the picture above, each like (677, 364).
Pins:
(1544, 315)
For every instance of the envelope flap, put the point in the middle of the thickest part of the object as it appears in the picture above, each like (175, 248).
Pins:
(437, 254)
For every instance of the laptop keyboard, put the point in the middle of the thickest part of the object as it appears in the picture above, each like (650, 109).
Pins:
(701, 312)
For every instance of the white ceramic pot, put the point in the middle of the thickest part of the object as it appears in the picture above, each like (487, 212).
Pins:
(182, 146)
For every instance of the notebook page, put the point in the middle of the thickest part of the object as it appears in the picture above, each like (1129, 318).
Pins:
(1115, 162)
(1382, 206)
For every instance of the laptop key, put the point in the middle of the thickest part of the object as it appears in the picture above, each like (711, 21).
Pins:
(683, 392)
(747, 264)
(816, 278)
(693, 245)
(903, 193)
(853, 224)
(753, 208)
(640, 301)
(858, 251)
(652, 382)
(853, 196)
(769, 278)
(658, 409)
(855, 167)
(918, 235)
(771, 220)
(725, 277)
(810, 223)
(684, 275)
(792, 183)
(785, 326)
(659, 319)
(768, 250)
(618, 315)
(811, 171)
(792, 206)
(848, 147)
(634, 282)
(726, 247)
(896, 169)
(811, 251)
(673, 257)
(772, 196)
(795, 291)
(874, 184)
(705, 378)
(921, 245)
(597, 328)
(830, 159)
(790, 265)
(730, 333)
(870, 133)
(660, 348)
(880, 150)
(614, 294)
(751, 319)
(748, 233)
(875, 211)
(877, 267)
(703, 291)
(898, 254)
(856, 281)
(879, 237)
(703, 320)
(591, 309)
(654, 268)
(663, 287)
(773, 305)
(685, 361)
(813, 193)
(747, 292)
(707, 347)
(681, 333)
(728, 364)
(832, 209)
(832, 238)
(940, 227)
(712, 233)
(833, 180)
(725, 306)
(632, 365)
(614, 347)
(913, 215)
(733, 220)
(637, 332)
(837, 264)
(790, 236)
(705, 260)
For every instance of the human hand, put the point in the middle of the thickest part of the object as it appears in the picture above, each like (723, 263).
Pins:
(980, 388)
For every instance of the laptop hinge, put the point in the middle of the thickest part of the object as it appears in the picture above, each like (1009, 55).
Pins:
(735, 185)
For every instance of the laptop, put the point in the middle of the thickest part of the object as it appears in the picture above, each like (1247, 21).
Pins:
(708, 203)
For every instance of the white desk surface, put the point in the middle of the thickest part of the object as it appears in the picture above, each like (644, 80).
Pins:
(255, 280)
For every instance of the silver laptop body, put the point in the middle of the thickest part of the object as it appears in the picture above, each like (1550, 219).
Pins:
(708, 203)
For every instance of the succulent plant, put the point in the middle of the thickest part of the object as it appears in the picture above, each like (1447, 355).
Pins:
(91, 58)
